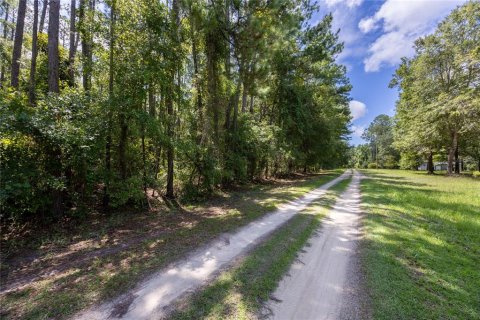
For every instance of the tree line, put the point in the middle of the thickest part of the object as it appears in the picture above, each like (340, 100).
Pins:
(379, 151)
(438, 111)
(104, 102)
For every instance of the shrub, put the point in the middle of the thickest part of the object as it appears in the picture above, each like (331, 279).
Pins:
(372, 166)
(65, 125)
(476, 174)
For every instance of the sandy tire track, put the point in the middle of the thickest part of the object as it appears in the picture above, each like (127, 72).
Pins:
(324, 282)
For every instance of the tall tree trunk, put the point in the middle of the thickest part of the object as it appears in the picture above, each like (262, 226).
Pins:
(430, 167)
(161, 119)
(236, 97)
(53, 58)
(212, 81)
(228, 112)
(33, 65)
(5, 33)
(151, 101)
(72, 49)
(144, 159)
(170, 151)
(108, 145)
(17, 44)
(86, 6)
(122, 145)
(196, 75)
(250, 89)
(53, 86)
(457, 162)
(171, 121)
(42, 18)
(155, 147)
(5, 22)
(244, 97)
(450, 160)
(108, 164)
(451, 152)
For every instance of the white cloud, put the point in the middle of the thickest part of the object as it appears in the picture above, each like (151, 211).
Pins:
(345, 18)
(402, 22)
(357, 109)
(348, 3)
(357, 131)
(388, 49)
(367, 25)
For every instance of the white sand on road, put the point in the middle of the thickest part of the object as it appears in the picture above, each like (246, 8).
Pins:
(317, 285)
(149, 299)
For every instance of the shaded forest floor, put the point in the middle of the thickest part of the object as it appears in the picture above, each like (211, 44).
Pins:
(56, 271)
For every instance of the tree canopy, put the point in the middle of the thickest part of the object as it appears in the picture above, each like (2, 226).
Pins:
(175, 98)
(438, 110)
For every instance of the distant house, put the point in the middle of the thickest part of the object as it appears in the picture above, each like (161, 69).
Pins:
(439, 166)
(422, 167)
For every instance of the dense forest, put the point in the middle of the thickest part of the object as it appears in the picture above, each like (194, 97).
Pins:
(438, 111)
(104, 103)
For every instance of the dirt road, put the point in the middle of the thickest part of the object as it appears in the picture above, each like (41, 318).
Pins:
(322, 283)
(150, 298)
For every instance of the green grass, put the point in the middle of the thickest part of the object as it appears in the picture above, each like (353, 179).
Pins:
(81, 286)
(422, 248)
(240, 292)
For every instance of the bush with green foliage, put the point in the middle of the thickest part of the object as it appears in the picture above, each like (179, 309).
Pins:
(410, 161)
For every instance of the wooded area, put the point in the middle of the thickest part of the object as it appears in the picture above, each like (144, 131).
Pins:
(125, 99)
(438, 110)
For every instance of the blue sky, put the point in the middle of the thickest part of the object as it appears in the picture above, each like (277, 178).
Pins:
(376, 35)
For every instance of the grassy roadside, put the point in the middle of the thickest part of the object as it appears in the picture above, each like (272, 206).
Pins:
(79, 286)
(240, 292)
(422, 248)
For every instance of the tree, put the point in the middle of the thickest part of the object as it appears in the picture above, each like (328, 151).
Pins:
(42, 17)
(53, 87)
(86, 14)
(160, 106)
(409, 139)
(175, 25)
(33, 65)
(380, 135)
(108, 144)
(360, 156)
(73, 46)
(5, 33)
(439, 86)
(53, 55)
(18, 42)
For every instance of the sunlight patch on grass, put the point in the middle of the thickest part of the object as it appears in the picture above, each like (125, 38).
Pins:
(422, 247)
